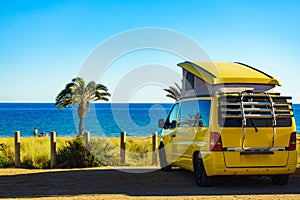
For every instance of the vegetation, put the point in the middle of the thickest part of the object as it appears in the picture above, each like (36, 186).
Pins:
(72, 152)
(173, 92)
(35, 152)
(108, 154)
(138, 150)
(75, 154)
(77, 92)
(6, 156)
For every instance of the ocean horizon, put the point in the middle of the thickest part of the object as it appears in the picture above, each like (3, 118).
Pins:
(103, 119)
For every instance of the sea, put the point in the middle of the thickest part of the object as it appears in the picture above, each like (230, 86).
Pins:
(103, 119)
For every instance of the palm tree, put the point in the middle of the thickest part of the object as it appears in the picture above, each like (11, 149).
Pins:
(173, 92)
(77, 92)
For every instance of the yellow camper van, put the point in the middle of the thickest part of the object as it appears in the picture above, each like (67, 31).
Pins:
(230, 120)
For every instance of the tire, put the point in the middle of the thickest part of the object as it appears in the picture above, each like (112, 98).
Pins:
(201, 177)
(280, 179)
(163, 160)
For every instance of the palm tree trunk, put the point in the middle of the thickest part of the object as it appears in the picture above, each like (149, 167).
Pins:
(80, 127)
(81, 115)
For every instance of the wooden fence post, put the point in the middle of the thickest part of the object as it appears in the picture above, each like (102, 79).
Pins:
(53, 162)
(123, 147)
(154, 148)
(87, 136)
(17, 149)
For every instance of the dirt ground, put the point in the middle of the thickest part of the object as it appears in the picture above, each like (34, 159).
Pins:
(136, 183)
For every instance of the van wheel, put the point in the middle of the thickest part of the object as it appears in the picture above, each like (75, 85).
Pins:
(280, 179)
(163, 160)
(200, 175)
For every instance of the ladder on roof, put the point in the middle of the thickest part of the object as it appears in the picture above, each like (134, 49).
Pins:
(248, 105)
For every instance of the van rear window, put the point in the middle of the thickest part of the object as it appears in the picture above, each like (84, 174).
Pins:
(256, 111)
(254, 122)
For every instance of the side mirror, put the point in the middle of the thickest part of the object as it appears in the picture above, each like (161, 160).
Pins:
(161, 123)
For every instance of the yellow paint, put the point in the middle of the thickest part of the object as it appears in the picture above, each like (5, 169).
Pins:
(224, 73)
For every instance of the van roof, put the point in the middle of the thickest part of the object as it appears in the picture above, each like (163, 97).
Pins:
(223, 73)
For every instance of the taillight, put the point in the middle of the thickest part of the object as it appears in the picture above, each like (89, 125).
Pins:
(215, 141)
(293, 141)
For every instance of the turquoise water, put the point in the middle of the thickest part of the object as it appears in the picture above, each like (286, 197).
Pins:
(104, 119)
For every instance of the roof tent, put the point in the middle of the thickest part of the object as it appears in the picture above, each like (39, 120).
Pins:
(208, 78)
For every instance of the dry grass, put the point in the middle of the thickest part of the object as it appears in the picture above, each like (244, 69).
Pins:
(35, 151)
(138, 150)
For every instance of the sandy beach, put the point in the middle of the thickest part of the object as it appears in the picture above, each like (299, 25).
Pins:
(114, 183)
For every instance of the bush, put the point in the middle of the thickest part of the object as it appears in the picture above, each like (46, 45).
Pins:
(104, 151)
(6, 156)
(38, 162)
(5, 162)
(75, 154)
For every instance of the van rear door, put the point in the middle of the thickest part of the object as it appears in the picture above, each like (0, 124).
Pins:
(256, 129)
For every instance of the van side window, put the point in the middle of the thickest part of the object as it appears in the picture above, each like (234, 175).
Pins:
(172, 118)
(189, 84)
(194, 113)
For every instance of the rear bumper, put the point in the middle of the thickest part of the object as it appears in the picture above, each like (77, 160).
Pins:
(215, 166)
(290, 169)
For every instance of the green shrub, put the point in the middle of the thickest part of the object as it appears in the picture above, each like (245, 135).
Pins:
(28, 163)
(6, 156)
(104, 151)
(75, 154)
(5, 162)
(38, 162)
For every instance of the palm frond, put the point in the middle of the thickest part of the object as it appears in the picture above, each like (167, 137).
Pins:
(173, 92)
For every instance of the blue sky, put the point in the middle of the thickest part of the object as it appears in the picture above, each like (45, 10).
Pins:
(43, 44)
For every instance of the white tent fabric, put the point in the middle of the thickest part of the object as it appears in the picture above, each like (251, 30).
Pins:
(193, 86)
